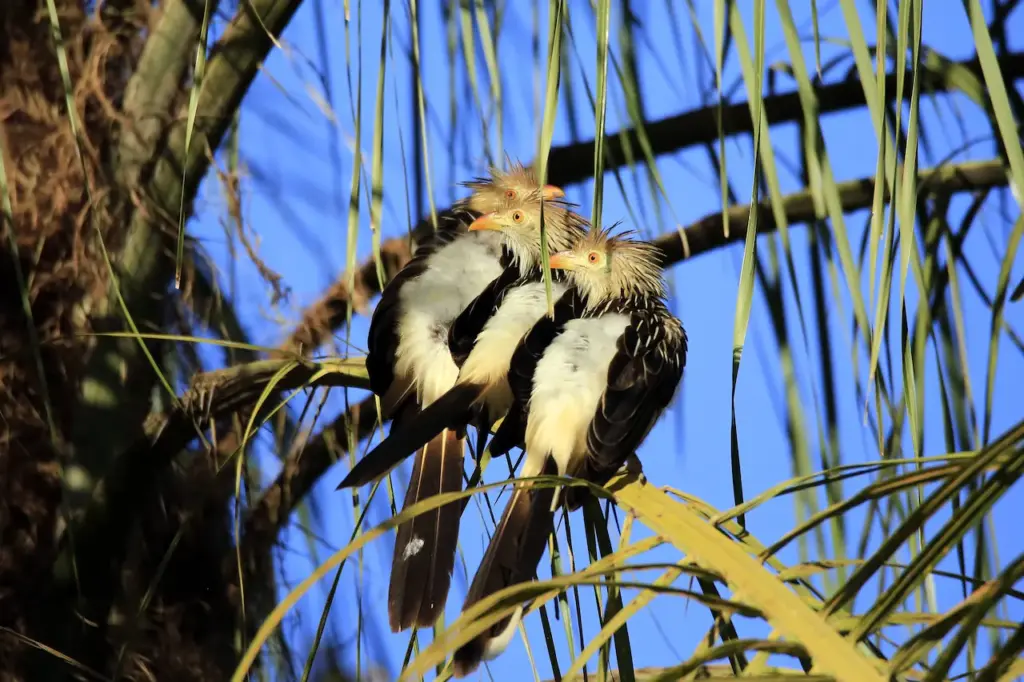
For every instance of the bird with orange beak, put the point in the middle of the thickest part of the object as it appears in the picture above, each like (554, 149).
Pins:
(410, 365)
(591, 381)
(486, 334)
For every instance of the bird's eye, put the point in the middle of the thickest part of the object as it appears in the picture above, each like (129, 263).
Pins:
(510, 194)
(517, 216)
(593, 257)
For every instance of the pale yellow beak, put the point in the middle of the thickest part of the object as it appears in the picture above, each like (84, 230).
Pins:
(484, 222)
(550, 192)
(559, 261)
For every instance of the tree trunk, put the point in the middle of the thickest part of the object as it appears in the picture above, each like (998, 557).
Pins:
(148, 590)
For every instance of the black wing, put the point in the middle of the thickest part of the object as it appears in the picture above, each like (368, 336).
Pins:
(470, 322)
(642, 379)
(524, 362)
(451, 222)
(382, 340)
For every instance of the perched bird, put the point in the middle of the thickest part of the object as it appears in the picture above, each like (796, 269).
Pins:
(601, 371)
(507, 309)
(410, 365)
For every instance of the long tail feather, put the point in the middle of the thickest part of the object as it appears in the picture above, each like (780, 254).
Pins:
(421, 569)
(414, 434)
(511, 558)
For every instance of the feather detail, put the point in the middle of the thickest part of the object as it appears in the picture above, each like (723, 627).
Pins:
(431, 303)
(412, 364)
(524, 364)
(512, 555)
(405, 440)
(587, 385)
(425, 546)
(641, 381)
(471, 321)
(382, 340)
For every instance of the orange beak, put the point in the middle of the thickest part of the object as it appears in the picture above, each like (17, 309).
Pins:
(550, 192)
(559, 261)
(484, 222)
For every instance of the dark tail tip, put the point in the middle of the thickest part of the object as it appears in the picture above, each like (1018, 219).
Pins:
(425, 546)
(395, 620)
(467, 658)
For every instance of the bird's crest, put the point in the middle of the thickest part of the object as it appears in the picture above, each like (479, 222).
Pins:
(520, 227)
(517, 177)
(634, 264)
(564, 226)
(503, 188)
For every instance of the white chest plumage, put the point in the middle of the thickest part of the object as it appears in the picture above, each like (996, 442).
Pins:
(519, 311)
(488, 364)
(567, 387)
(455, 275)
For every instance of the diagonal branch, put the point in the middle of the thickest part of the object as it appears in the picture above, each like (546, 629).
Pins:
(271, 512)
(83, 575)
(301, 471)
(573, 163)
(100, 534)
(155, 87)
(708, 233)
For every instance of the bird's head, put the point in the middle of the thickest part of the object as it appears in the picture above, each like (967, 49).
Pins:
(605, 266)
(520, 224)
(506, 189)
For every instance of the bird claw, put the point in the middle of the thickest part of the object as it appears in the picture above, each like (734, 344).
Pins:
(633, 465)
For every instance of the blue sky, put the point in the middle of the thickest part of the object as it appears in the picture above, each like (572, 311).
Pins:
(300, 162)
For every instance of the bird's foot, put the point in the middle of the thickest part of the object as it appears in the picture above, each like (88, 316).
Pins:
(633, 465)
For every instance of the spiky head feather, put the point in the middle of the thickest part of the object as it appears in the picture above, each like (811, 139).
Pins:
(502, 189)
(520, 227)
(605, 264)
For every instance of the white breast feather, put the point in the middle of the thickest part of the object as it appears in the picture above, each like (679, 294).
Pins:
(521, 308)
(457, 273)
(567, 387)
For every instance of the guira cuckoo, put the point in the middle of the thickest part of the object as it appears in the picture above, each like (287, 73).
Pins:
(410, 365)
(507, 309)
(600, 373)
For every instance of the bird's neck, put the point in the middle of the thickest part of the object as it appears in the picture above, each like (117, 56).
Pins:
(521, 255)
(491, 241)
(533, 272)
(596, 306)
